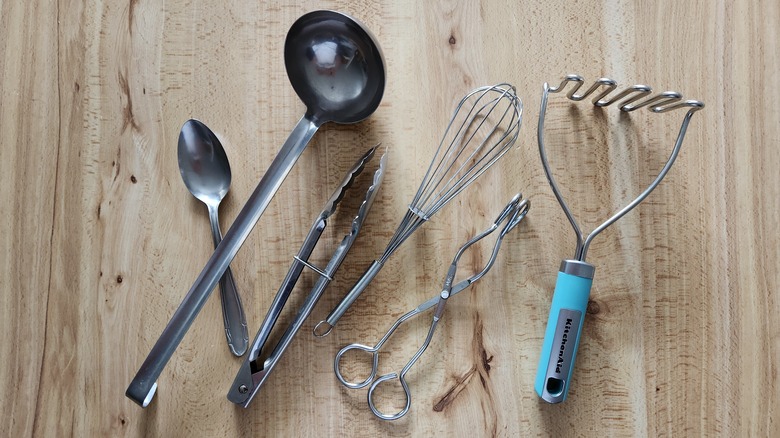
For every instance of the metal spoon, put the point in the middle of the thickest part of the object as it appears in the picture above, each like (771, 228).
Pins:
(336, 68)
(205, 170)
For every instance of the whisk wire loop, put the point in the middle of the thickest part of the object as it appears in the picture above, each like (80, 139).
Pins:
(493, 113)
(448, 172)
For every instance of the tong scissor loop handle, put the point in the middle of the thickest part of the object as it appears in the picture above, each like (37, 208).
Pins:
(407, 393)
(402, 375)
(373, 351)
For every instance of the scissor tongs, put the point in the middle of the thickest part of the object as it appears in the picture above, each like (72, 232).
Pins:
(255, 370)
(513, 213)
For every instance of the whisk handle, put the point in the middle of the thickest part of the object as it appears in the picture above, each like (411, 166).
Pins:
(353, 294)
(564, 328)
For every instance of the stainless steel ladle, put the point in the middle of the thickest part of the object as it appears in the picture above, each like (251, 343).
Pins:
(337, 69)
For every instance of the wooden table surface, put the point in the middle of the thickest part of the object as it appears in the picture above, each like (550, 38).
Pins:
(101, 239)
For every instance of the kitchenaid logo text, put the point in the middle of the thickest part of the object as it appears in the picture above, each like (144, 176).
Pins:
(565, 336)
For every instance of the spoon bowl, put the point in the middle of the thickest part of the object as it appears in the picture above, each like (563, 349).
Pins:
(203, 163)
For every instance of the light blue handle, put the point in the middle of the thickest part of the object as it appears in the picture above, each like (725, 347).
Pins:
(562, 336)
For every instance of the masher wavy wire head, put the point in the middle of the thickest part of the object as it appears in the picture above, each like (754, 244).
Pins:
(483, 127)
(628, 102)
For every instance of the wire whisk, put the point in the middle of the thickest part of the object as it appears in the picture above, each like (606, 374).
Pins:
(483, 127)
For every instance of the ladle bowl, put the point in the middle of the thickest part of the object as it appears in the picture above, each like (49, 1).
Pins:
(335, 67)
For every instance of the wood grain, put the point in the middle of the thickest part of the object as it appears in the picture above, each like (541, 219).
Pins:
(102, 239)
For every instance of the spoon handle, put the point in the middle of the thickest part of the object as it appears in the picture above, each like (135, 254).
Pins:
(232, 310)
(144, 385)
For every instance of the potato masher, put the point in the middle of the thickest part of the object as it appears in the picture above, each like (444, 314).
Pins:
(575, 277)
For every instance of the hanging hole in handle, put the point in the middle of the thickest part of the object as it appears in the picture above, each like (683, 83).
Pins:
(149, 396)
(322, 329)
(554, 386)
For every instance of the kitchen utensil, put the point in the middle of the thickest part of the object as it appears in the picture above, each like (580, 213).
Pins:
(254, 371)
(483, 127)
(205, 170)
(513, 213)
(336, 68)
(572, 289)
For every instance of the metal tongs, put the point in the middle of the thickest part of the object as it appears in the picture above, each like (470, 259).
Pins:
(512, 214)
(255, 370)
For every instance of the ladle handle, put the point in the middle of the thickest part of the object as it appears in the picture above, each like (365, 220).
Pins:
(562, 336)
(233, 314)
(141, 389)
